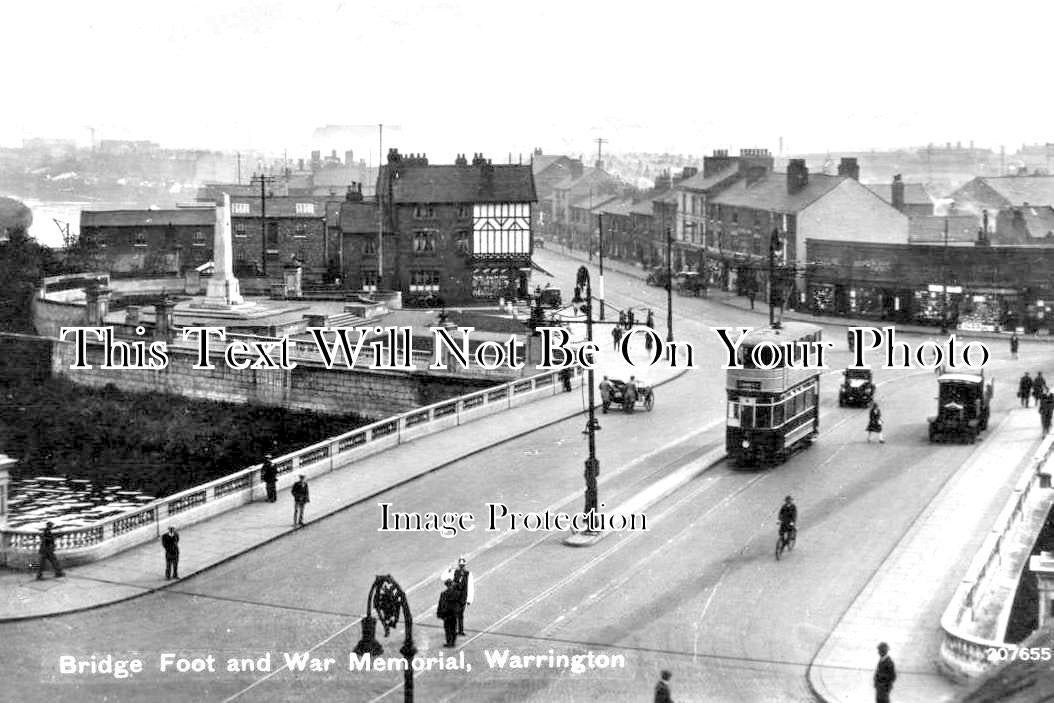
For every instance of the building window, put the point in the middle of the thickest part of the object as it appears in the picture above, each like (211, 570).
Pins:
(369, 280)
(300, 229)
(424, 242)
(240, 208)
(139, 239)
(305, 208)
(757, 219)
(199, 238)
(239, 231)
(272, 237)
(424, 281)
(462, 242)
(423, 212)
(369, 246)
(735, 218)
(464, 210)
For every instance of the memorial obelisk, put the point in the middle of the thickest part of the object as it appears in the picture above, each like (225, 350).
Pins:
(223, 287)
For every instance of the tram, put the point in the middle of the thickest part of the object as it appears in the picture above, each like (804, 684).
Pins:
(772, 411)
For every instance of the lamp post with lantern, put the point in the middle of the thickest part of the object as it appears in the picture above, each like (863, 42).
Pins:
(592, 469)
(388, 600)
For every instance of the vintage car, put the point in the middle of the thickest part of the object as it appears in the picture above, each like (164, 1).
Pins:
(962, 407)
(550, 298)
(645, 395)
(689, 283)
(857, 388)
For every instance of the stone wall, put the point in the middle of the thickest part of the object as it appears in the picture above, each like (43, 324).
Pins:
(374, 394)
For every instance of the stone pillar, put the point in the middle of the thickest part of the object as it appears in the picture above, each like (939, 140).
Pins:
(131, 315)
(223, 288)
(164, 326)
(5, 461)
(1042, 565)
(293, 279)
(98, 305)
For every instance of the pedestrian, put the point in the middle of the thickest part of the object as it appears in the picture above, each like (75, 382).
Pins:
(885, 674)
(269, 475)
(650, 324)
(1039, 387)
(1014, 343)
(565, 378)
(629, 394)
(616, 336)
(47, 553)
(750, 296)
(630, 319)
(662, 689)
(605, 394)
(849, 339)
(1024, 389)
(1046, 411)
(462, 579)
(874, 423)
(300, 499)
(170, 541)
(447, 612)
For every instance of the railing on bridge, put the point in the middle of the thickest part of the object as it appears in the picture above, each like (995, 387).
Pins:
(18, 548)
(964, 652)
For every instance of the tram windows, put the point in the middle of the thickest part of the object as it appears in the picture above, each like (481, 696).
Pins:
(777, 414)
(762, 416)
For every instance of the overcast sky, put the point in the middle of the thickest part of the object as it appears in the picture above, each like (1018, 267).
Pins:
(500, 77)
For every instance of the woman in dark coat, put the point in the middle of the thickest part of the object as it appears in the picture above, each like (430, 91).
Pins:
(874, 423)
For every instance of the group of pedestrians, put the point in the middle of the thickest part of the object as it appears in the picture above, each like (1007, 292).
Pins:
(1029, 388)
(629, 394)
(626, 321)
(458, 593)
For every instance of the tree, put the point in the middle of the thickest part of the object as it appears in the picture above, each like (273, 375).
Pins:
(23, 264)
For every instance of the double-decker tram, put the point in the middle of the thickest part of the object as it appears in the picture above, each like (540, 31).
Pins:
(773, 394)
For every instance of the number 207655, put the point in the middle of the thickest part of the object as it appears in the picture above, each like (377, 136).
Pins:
(1025, 654)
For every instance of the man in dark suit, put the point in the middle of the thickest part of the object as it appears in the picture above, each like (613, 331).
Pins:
(47, 553)
(170, 541)
(269, 475)
(300, 500)
(662, 689)
(463, 585)
(885, 674)
(449, 605)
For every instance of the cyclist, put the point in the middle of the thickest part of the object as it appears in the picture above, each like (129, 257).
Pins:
(788, 517)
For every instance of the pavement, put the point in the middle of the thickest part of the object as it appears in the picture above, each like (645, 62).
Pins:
(901, 604)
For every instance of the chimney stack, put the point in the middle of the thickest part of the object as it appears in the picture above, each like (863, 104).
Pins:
(849, 168)
(716, 163)
(754, 164)
(897, 193)
(577, 169)
(797, 175)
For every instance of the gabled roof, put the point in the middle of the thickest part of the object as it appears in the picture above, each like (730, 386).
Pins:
(617, 207)
(1038, 221)
(700, 182)
(770, 193)
(961, 228)
(589, 176)
(1018, 190)
(594, 201)
(914, 193)
(542, 162)
(500, 183)
(184, 216)
(643, 207)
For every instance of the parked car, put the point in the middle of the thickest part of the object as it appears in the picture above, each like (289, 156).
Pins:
(550, 298)
(857, 388)
(690, 283)
(962, 407)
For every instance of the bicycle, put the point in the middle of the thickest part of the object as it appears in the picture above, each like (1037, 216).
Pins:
(786, 540)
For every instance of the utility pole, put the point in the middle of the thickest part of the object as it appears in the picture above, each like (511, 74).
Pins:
(264, 180)
(600, 142)
(669, 295)
(600, 227)
(380, 207)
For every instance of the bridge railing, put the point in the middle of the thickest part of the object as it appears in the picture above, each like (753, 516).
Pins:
(964, 652)
(19, 548)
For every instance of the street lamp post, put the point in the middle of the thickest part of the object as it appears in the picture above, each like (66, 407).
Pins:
(669, 291)
(600, 229)
(388, 600)
(775, 244)
(944, 282)
(592, 463)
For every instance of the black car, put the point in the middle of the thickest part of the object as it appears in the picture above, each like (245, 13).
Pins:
(857, 388)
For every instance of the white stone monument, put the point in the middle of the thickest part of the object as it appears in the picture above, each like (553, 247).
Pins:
(223, 286)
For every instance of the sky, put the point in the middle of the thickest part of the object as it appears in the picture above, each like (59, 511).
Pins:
(503, 77)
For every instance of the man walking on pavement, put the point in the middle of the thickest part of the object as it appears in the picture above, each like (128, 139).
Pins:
(170, 541)
(885, 674)
(1014, 342)
(1039, 387)
(662, 689)
(616, 336)
(300, 499)
(1024, 389)
(605, 394)
(269, 475)
(1046, 411)
(47, 553)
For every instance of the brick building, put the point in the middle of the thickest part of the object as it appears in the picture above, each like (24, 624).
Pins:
(150, 241)
(459, 232)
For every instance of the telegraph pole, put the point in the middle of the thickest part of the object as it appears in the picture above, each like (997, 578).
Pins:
(600, 227)
(380, 208)
(264, 180)
(600, 142)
